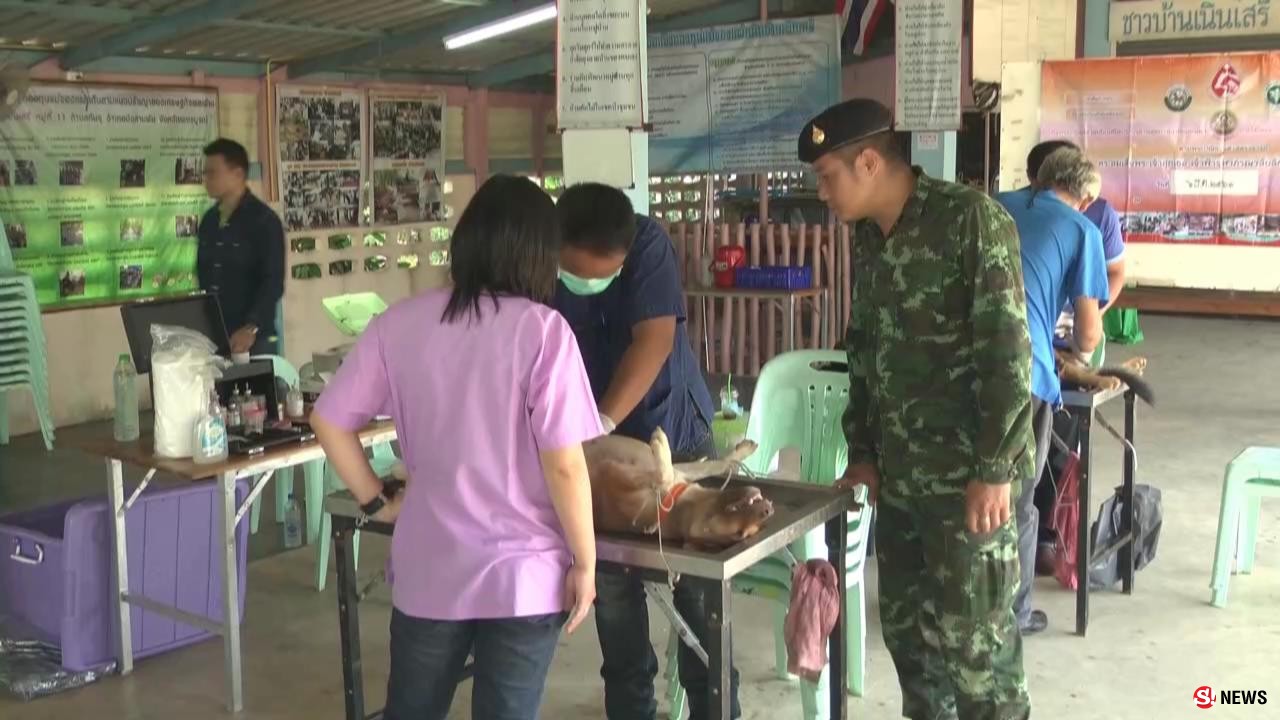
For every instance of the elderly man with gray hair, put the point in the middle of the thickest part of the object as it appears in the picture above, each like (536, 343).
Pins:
(1062, 261)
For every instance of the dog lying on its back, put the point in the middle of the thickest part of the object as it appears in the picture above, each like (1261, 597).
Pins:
(1073, 371)
(636, 489)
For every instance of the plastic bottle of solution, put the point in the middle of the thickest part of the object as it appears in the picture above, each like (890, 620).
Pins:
(125, 384)
(210, 443)
(293, 524)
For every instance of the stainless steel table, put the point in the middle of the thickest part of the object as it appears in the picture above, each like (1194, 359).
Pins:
(1083, 406)
(798, 509)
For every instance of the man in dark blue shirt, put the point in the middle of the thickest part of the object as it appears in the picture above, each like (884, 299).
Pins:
(240, 257)
(620, 290)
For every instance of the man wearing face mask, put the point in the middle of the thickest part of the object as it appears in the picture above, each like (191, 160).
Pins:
(620, 290)
(1062, 260)
(939, 416)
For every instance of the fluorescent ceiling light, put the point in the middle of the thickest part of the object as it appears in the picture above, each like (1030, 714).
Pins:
(506, 25)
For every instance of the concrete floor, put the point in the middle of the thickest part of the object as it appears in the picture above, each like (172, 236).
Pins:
(1144, 656)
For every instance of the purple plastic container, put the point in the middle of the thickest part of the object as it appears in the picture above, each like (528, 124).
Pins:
(55, 571)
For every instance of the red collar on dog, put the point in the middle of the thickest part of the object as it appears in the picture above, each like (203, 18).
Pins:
(669, 500)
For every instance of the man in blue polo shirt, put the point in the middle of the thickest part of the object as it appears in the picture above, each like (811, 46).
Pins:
(1062, 263)
(620, 290)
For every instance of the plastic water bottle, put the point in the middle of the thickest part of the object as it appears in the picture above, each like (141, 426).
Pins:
(125, 383)
(293, 524)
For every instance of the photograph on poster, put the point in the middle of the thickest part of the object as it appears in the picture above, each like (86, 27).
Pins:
(317, 129)
(131, 230)
(130, 277)
(17, 234)
(71, 283)
(185, 226)
(406, 130)
(72, 232)
(133, 173)
(70, 173)
(188, 171)
(24, 173)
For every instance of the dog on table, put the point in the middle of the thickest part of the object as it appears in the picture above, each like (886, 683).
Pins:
(1076, 372)
(636, 489)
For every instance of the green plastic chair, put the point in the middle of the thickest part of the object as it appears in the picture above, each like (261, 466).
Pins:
(23, 364)
(353, 311)
(799, 401)
(313, 471)
(382, 460)
(1251, 476)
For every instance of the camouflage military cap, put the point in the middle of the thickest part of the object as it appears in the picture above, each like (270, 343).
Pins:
(842, 125)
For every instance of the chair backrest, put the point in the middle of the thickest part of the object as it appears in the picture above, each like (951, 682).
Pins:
(798, 403)
(283, 369)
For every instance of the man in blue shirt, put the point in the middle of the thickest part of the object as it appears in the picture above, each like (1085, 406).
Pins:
(1062, 263)
(620, 290)
(1101, 214)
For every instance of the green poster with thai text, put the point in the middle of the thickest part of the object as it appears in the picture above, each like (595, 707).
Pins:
(101, 189)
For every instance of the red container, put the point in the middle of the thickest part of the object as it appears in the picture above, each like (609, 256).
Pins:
(728, 259)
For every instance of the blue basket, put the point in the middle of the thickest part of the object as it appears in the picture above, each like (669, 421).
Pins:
(776, 277)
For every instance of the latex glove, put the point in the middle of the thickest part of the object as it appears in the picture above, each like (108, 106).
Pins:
(608, 423)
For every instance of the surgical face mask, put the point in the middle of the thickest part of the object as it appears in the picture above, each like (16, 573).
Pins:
(587, 286)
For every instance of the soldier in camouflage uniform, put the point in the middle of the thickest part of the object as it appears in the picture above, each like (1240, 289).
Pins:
(939, 417)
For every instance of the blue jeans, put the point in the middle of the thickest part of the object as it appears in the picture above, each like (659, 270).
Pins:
(512, 657)
(630, 666)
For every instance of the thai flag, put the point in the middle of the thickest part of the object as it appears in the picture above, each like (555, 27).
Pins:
(859, 19)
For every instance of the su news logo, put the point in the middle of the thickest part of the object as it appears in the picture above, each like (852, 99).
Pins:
(1204, 697)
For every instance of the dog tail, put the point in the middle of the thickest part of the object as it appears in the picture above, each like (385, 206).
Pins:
(1136, 382)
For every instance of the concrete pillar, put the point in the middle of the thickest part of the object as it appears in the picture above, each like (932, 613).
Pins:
(1096, 28)
(938, 159)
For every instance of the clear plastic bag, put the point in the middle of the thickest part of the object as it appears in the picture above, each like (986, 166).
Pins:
(184, 366)
(30, 669)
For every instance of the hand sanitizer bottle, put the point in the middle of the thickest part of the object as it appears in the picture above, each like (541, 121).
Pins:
(293, 524)
(210, 436)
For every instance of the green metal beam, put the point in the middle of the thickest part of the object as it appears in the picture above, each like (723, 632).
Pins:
(301, 28)
(545, 62)
(91, 13)
(431, 32)
(153, 30)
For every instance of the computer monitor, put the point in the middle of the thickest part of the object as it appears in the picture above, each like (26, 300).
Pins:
(199, 312)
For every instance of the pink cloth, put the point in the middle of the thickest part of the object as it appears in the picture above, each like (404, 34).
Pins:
(474, 402)
(815, 608)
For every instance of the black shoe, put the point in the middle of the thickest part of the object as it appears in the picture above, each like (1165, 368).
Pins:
(1037, 623)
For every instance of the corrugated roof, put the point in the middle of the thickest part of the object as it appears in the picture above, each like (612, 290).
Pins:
(290, 30)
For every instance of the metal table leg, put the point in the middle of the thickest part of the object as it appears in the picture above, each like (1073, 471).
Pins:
(1125, 557)
(1083, 550)
(348, 620)
(837, 549)
(230, 591)
(719, 654)
(120, 566)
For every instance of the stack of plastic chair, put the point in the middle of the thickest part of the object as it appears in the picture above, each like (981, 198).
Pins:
(351, 313)
(1252, 475)
(798, 404)
(23, 352)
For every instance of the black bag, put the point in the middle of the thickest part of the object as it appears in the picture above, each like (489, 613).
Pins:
(1147, 518)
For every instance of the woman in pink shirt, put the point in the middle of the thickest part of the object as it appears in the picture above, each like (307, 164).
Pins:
(494, 548)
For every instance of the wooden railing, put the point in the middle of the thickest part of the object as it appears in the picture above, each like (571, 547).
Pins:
(743, 333)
